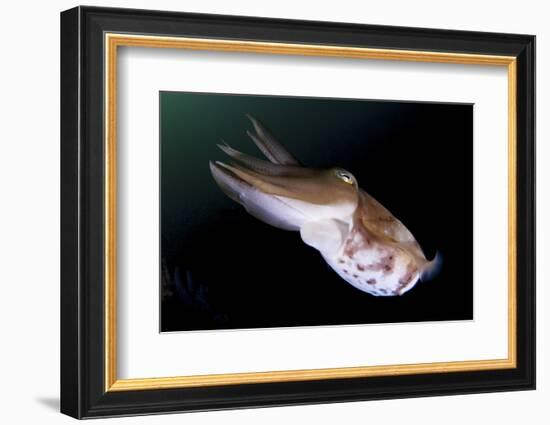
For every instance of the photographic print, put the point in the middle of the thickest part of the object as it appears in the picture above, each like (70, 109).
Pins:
(313, 197)
(298, 211)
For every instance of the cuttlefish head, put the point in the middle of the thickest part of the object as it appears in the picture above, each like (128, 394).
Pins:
(282, 192)
(286, 196)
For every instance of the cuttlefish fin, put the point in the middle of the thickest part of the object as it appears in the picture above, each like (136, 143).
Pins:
(270, 147)
(432, 268)
(326, 236)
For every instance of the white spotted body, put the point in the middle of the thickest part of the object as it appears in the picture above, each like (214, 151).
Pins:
(367, 271)
(378, 254)
(357, 237)
(377, 268)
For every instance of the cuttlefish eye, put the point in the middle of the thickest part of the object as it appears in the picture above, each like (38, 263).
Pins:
(345, 176)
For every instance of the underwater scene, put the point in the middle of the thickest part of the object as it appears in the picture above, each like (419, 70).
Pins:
(296, 211)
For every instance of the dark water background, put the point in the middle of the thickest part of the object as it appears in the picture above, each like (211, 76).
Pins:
(224, 269)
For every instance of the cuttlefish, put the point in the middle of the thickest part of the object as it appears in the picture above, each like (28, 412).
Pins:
(358, 238)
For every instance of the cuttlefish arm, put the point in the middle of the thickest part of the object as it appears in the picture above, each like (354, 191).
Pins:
(269, 145)
(257, 203)
(359, 238)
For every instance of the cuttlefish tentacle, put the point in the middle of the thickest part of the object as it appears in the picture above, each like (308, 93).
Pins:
(263, 206)
(269, 146)
(264, 167)
(358, 237)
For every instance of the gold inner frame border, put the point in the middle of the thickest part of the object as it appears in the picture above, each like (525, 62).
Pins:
(111, 43)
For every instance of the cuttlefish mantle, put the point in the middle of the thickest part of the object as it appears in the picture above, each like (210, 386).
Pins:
(358, 238)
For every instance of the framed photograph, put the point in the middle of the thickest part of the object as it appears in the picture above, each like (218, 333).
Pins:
(261, 212)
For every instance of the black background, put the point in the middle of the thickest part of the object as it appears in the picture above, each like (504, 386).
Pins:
(224, 269)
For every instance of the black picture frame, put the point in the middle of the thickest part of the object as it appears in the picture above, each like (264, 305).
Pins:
(83, 393)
